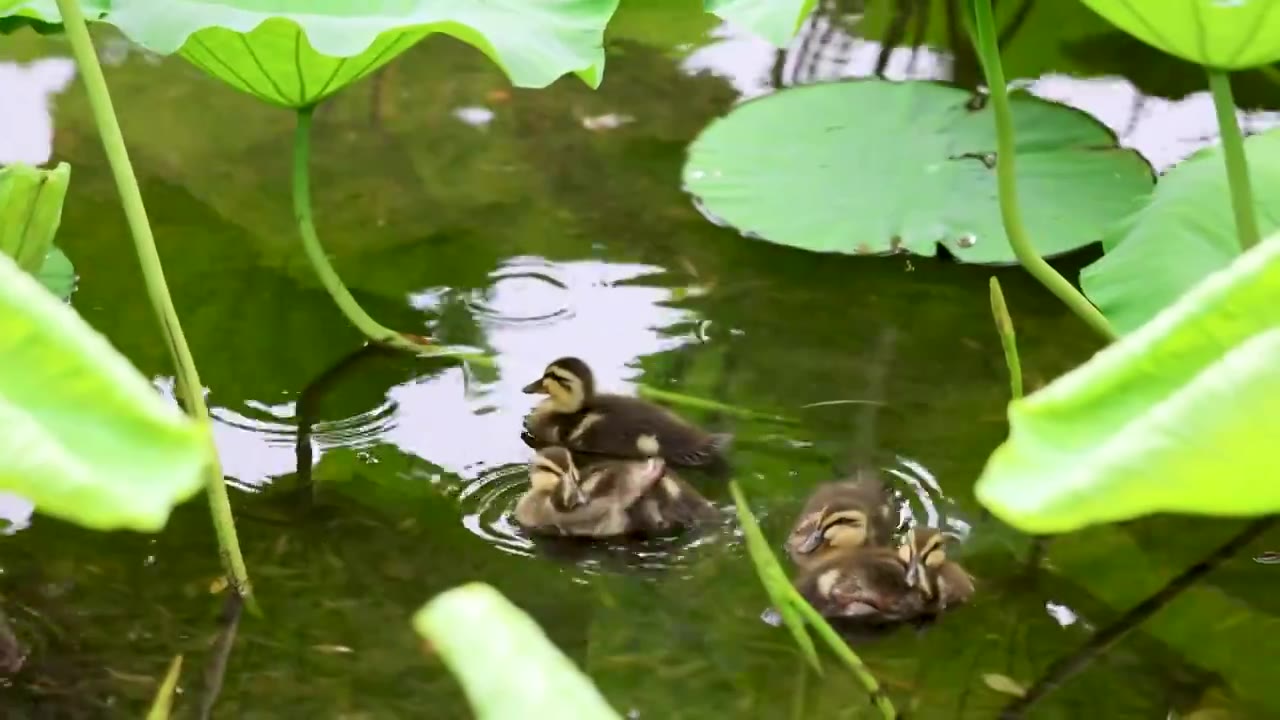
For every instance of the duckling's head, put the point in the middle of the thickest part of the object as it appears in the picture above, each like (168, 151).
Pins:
(553, 473)
(828, 528)
(924, 551)
(569, 383)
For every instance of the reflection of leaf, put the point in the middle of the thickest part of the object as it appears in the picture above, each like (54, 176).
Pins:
(1210, 628)
(1225, 35)
(1154, 422)
(773, 20)
(1003, 684)
(1185, 232)
(280, 55)
(57, 274)
(505, 663)
(915, 169)
(82, 434)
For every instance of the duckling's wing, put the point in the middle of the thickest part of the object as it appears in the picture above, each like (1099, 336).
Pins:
(680, 503)
(629, 427)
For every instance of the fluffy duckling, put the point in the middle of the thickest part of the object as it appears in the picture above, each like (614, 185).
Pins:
(607, 499)
(575, 416)
(941, 582)
(840, 516)
(866, 584)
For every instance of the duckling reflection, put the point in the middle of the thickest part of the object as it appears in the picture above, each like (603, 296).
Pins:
(842, 515)
(942, 583)
(575, 416)
(610, 498)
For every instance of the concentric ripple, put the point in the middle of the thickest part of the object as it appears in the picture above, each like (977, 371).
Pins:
(523, 291)
(924, 505)
(488, 505)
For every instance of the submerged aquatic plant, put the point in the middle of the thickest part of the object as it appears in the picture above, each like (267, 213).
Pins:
(797, 613)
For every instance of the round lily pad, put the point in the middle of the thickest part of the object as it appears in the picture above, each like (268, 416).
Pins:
(871, 166)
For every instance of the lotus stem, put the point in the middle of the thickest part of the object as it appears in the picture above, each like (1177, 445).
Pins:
(796, 611)
(1004, 326)
(1233, 156)
(1006, 179)
(372, 329)
(190, 389)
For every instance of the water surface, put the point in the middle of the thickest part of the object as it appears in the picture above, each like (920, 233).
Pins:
(536, 224)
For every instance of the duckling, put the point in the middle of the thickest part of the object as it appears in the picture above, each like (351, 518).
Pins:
(843, 514)
(866, 584)
(575, 416)
(617, 497)
(943, 583)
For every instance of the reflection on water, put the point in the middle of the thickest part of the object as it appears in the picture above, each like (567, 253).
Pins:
(26, 94)
(378, 483)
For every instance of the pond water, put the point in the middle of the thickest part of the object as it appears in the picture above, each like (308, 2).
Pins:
(542, 223)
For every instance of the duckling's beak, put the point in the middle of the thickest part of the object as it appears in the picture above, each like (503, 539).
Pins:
(535, 387)
(811, 541)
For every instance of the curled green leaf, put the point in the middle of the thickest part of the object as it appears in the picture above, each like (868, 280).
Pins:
(83, 434)
(1161, 420)
(505, 663)
(30, 211)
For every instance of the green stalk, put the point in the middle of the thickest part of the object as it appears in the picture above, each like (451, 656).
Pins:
(1004, 326)
(162, 705)
(989, 53)
(356, 315)
(796, 612)
(190, 389)
(1233, 156)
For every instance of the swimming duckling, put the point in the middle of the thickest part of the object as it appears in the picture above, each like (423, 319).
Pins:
(866, 584)
(942, 582)
(609, 498)
(575, 416)
(844, 514)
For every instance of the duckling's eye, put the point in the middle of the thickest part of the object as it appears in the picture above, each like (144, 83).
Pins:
(853, 522)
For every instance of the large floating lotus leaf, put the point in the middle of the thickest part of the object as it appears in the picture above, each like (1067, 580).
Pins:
(1228, 34)
(82, 434)
(874, 166)
(774, 20)
(295, 53)
(1178, 416)
(1185, 231)
(507, 666)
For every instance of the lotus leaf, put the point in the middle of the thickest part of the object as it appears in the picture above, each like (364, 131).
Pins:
(1230, 35)
(295, 54)
(1185, 231)
(507, 666)
(83, 435)
(872, 166)
(1158, 421)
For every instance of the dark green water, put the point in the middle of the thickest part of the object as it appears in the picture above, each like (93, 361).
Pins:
(544, 231)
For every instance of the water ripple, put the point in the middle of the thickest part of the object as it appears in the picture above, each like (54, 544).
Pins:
(488, 505)
(523, 291)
